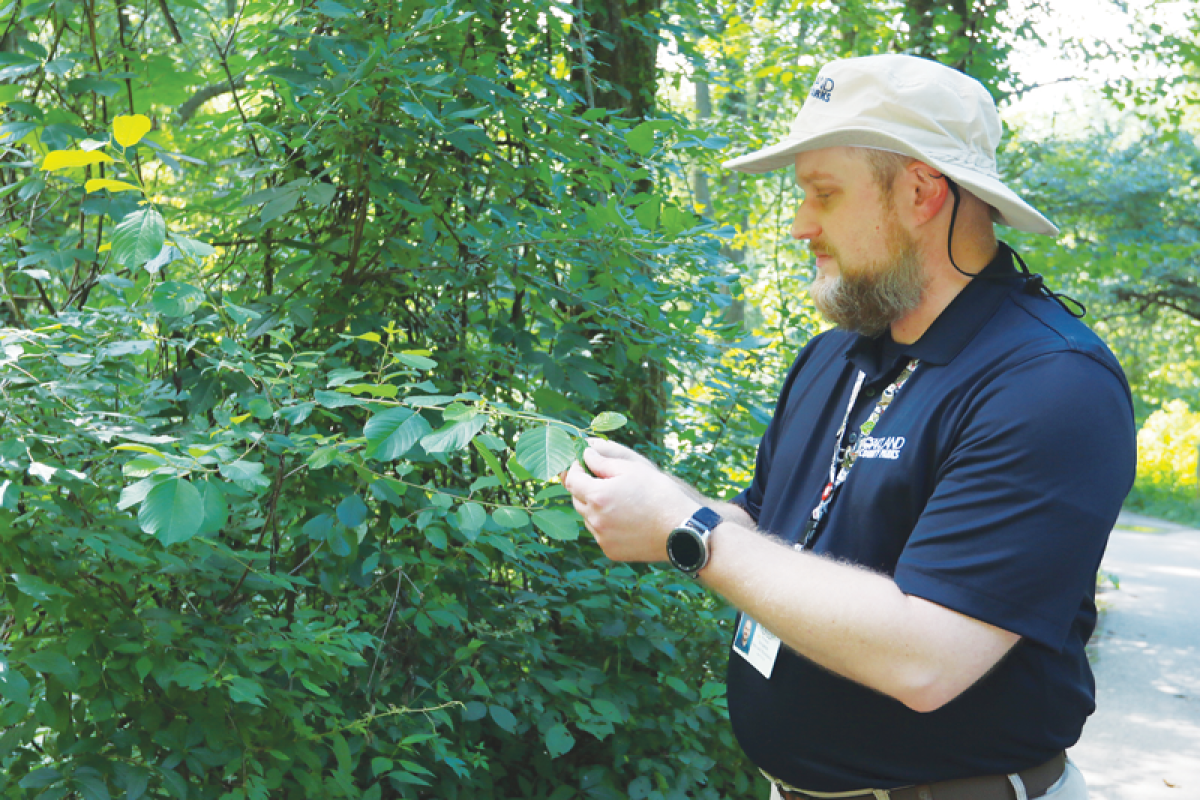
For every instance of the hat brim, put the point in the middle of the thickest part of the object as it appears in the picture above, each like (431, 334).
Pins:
(1007, 207)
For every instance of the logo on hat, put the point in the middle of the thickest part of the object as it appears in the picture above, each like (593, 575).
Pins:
(822, 89)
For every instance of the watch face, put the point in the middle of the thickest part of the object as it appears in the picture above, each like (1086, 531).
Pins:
(685, 549)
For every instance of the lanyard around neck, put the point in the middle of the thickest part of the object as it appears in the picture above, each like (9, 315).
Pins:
(843, 456)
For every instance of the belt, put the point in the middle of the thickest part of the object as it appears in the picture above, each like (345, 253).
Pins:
(989, 787)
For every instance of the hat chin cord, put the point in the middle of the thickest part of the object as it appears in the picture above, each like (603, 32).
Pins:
(1034, 283)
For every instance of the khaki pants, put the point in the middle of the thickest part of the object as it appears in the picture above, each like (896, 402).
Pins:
(1070, 786)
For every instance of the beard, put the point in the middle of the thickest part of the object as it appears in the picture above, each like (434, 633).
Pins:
(867, 298)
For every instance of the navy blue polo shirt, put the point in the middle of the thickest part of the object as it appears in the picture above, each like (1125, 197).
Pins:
(990, 487)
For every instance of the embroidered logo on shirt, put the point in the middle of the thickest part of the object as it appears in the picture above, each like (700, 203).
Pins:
(888, 447)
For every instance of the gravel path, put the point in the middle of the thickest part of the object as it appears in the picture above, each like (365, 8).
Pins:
(1143, 743)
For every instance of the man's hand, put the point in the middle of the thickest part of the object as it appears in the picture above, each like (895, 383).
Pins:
(629, 505)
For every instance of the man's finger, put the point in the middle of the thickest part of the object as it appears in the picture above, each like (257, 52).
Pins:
(619, 451)
(611, 449)
(603, 465)
(577, 481)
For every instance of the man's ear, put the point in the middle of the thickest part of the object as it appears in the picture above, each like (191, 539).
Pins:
(928, 190)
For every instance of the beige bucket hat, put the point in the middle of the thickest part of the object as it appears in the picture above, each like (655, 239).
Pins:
(906, 105)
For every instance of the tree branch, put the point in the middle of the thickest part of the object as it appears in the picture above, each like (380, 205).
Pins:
(166, 12)
(189, 107)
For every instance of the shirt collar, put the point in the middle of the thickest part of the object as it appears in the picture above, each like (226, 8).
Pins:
(957, 325)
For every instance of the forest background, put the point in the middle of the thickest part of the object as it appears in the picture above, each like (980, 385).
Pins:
(304, 304)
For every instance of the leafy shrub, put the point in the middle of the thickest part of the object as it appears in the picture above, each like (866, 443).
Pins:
(271, 519)
(294, 613)
(1166, 482)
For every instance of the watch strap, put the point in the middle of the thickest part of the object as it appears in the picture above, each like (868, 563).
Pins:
(705, 519)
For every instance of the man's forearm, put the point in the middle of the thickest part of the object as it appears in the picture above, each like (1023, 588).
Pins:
(853, 622)
(731, 512)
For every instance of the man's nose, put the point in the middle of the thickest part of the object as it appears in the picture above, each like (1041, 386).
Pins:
(804, 226)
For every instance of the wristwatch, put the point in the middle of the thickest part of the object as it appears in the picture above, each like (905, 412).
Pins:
(687, 545)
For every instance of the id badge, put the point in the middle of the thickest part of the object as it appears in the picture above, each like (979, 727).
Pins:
(756, 644)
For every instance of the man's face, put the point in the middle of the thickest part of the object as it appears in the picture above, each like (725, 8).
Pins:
(868, 273)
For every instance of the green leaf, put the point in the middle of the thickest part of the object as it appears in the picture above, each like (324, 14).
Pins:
(245, 690)
(333, 9)
(297, 413)
(336, 399)
(40, 778)
(517, 471)
(90, 787)
(454, 436)
(173, 511)
(392, 433)
(193, 248)
(216, 509)
(176, 784)
(545, 451)
(50, 661)
(135, 493)
(557, 524)
(504, 718)
(608, 421)
(352, 511)
(458, 412)
(138, 238)
(319, 527)
(164, 257)
(14, 687)
(134, 780)
(471, 517)
(37, 588)
(415, 360)
(490, 459)
(436, 537)
(559, 740)
(641, 138)
(282, 204)
(175, 299)
(246, 474)
(400, 776)
(510, 517)
(9, 492)
(312, 687)
(341, 751)
(647, 213)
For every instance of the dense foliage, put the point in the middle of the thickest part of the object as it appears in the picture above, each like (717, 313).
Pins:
(283, 300)
(302, 307)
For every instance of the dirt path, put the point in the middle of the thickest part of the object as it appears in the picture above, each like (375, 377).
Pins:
(1143, 743)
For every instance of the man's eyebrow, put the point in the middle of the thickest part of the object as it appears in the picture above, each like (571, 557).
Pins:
(815, 175)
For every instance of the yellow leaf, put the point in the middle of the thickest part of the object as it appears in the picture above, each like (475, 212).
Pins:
(64, 159)
(104, 247)
(96, 184)
(139, 448)
(129, 130)
(239, 419)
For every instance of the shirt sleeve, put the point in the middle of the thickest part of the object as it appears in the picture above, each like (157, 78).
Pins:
(1022, 507)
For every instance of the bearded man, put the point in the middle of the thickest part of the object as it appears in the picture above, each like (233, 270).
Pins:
(919, 545)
